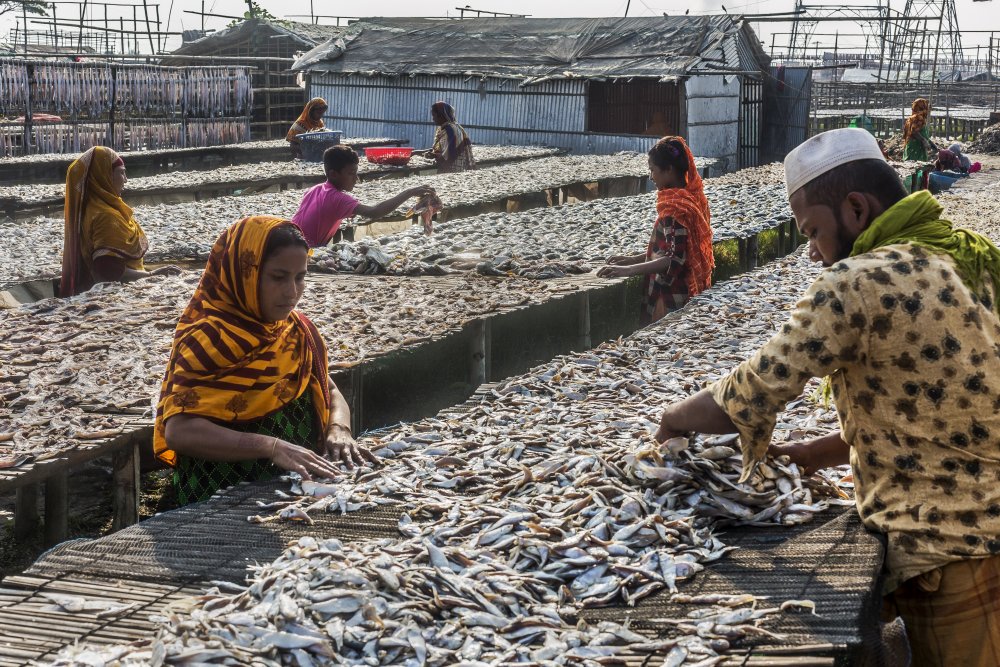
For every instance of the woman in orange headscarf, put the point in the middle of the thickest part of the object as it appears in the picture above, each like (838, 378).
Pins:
(916, 134)
(678, 261)
(247, 391)
(102, 241)
(309, 120)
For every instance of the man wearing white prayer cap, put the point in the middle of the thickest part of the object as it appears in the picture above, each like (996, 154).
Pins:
(902, 322)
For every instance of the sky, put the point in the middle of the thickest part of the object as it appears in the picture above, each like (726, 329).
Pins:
(971, 15)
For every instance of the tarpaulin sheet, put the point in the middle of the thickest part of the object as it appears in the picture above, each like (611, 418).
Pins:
(532, 50)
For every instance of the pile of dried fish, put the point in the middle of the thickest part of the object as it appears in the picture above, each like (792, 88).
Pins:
(233, 152)
(537, 502)
(247, 173)
(188, 230)
(72, 361)
(988, 142)
(551, 242)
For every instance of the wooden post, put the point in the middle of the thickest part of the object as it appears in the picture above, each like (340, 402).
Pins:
(28, 105)
(26, 511)
(357, 399)
(583, 319)
(477, 353)
(56, 509)
(741, 244)
(110, 139)
(782, 250)
(127, 486)
(753, 251)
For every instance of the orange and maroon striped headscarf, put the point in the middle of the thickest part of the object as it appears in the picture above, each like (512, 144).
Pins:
(689, 207)
(226, 363)
(920, 109)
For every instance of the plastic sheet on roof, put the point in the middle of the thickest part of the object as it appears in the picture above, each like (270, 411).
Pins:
(531, 50)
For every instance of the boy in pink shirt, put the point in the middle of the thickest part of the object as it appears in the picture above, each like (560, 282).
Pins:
(325, 206)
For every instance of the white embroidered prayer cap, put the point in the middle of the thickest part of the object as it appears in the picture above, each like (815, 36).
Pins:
(826, 151)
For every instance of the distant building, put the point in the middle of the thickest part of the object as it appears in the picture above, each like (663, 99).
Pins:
(593, 85)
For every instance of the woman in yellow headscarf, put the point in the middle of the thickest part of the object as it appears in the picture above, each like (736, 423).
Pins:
(916, 134)
(102, 241)
(247, 391)
(309, 120)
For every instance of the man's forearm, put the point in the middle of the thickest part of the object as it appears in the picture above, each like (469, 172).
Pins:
(699, 413)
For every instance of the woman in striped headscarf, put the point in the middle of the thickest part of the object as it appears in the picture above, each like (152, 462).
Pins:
(247, 391)
(452, 147)
(310, 120)
(916, 134)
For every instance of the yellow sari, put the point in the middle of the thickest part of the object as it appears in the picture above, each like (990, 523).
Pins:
(305, 123)
(97, 222)
(226, 363)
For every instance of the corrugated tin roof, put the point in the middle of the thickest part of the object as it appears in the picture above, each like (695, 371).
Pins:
(307, 35)
(535, 50)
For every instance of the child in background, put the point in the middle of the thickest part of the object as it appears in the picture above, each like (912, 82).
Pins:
(325, 206)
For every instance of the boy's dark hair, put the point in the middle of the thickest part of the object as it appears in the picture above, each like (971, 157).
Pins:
(874, 177)
(669, 152)
(283, 236)
(336, 158)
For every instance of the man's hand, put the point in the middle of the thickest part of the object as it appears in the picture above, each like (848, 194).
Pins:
(698, 413)
(811, 455)
(341, 446)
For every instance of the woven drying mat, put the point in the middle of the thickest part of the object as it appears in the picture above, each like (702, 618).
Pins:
(832, 561)
(34, 628)
(211, 540)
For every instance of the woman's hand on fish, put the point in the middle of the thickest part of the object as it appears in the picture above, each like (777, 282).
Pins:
(302, 460)
(614, 271)
(169, 270)
(341, 446)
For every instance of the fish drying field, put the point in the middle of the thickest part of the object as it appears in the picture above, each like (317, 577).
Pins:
(33, 248)
(534, 506)
(292, 171)
(535, 523)
(83, 369)
(550, 242)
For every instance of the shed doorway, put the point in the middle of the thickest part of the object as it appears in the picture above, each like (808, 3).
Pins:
(638, 107)
(751, 125)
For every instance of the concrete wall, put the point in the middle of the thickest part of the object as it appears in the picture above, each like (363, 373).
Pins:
(713, 113)
(498, 111)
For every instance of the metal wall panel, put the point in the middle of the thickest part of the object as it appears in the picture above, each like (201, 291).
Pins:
(787, 96)
(555, 106)
(497, 111)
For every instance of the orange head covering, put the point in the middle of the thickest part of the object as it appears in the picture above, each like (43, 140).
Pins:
(688, 206)
(305, 123)
(227, 363)
(97, 221)
(921, 109)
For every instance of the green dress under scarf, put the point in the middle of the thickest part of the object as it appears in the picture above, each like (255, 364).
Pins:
(198, 479)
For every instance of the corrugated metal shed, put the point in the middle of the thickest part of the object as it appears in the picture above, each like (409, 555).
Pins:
(528, 81)
(300, 37)
(536, 50)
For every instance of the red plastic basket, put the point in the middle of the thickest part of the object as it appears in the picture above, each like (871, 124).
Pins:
(397, 157)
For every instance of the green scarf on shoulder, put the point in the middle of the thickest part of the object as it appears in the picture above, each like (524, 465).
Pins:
(916, 219)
